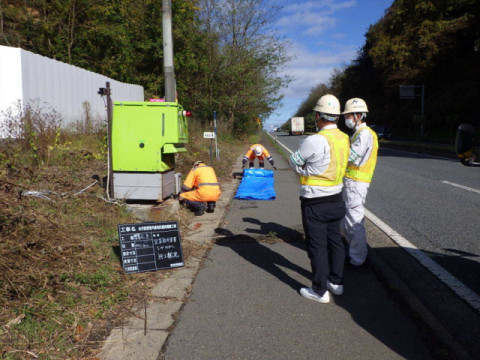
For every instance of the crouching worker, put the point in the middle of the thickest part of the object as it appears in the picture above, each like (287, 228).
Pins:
(200, 190)
(260, 152)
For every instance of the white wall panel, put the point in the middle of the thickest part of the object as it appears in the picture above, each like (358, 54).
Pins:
(26, 76)
(10, 76)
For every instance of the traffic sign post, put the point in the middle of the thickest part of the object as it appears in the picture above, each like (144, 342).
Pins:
(211, 136)
(408, 92)
(217, 151)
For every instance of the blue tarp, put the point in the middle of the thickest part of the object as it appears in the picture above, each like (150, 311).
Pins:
(257, 184)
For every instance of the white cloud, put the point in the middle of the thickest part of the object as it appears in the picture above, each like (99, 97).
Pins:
(316, 50)
(339, 36)
(327, 6)
(310, 68)
(320, 27)
(315, 17)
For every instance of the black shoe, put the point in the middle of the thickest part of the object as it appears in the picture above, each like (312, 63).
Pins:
(199, 212)
(210, 207)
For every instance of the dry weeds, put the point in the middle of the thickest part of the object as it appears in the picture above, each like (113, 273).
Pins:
(62, 287)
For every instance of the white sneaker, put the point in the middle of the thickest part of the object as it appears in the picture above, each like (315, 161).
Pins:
(312, 295)
(335, 289)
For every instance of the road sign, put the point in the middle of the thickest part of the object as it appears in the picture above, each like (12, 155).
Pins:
(208, 135)
(150, 246)
(407, 91)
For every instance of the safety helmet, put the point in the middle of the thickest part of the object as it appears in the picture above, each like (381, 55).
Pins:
(257, 150)
(355, 105)
(328, 104)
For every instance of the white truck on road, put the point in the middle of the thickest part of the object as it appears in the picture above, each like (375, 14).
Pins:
(297, 126)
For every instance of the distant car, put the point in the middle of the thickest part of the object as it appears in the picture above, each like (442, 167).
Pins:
(383, 131)
(279, 129)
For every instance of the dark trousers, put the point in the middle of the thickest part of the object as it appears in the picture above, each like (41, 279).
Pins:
(261, 164)
(321, 223)
(193, 205)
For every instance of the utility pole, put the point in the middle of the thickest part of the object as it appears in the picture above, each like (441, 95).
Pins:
(217, 151)
(170, 86)
(423, 99)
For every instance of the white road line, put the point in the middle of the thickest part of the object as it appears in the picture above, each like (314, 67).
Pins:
(278, 142)
(461, 186)
(451, 281)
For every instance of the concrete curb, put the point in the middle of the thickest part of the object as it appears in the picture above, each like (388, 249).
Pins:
(143, 335)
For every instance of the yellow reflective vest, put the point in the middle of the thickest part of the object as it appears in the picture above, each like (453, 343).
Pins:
(364, 173)
(339, 150)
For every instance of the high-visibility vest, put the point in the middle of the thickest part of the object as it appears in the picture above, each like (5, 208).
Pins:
(339, 150)
(251, 155)
(201, 176)
(364, 173)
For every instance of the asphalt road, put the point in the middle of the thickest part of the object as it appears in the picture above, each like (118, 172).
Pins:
(245, 302)
(410, 193)
(245, 305)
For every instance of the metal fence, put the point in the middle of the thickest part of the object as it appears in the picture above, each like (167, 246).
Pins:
(27, 77)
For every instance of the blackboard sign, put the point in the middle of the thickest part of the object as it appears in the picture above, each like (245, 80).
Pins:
(150, 246)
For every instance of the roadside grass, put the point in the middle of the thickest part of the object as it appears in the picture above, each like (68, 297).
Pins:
(62, 287)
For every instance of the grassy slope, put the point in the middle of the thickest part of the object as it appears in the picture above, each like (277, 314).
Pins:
(61, 283)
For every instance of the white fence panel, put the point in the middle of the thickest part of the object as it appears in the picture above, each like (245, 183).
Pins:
(10, 76)
(26, 77)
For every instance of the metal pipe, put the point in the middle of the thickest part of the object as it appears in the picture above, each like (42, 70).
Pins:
(423, 99)
(110, 187)
(170, 86)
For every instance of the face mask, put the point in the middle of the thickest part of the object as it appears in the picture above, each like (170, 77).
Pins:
(350, 123)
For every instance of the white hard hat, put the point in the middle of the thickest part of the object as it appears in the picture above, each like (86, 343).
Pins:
(328, 104)
(355, 105)
(257, 150)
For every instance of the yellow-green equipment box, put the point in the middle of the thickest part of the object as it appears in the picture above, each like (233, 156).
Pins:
(146, 135)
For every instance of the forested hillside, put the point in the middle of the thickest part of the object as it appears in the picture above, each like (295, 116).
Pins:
(434, 43)
(224, 58)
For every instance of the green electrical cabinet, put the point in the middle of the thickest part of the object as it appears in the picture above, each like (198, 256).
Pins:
(145, 138)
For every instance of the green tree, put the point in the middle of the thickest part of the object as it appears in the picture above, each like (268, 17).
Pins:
(226, 57)
(246, 60)
(435, 43)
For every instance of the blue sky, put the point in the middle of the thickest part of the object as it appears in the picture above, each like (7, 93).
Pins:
(324, 35)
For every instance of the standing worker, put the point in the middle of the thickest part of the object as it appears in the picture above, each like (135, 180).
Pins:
(321, 161)
(259, 151)
(200, 187)
(360, 168)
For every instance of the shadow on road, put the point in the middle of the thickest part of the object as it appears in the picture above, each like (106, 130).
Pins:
(284, 233)
(365, 297)
(261, 256)
(460, 264)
